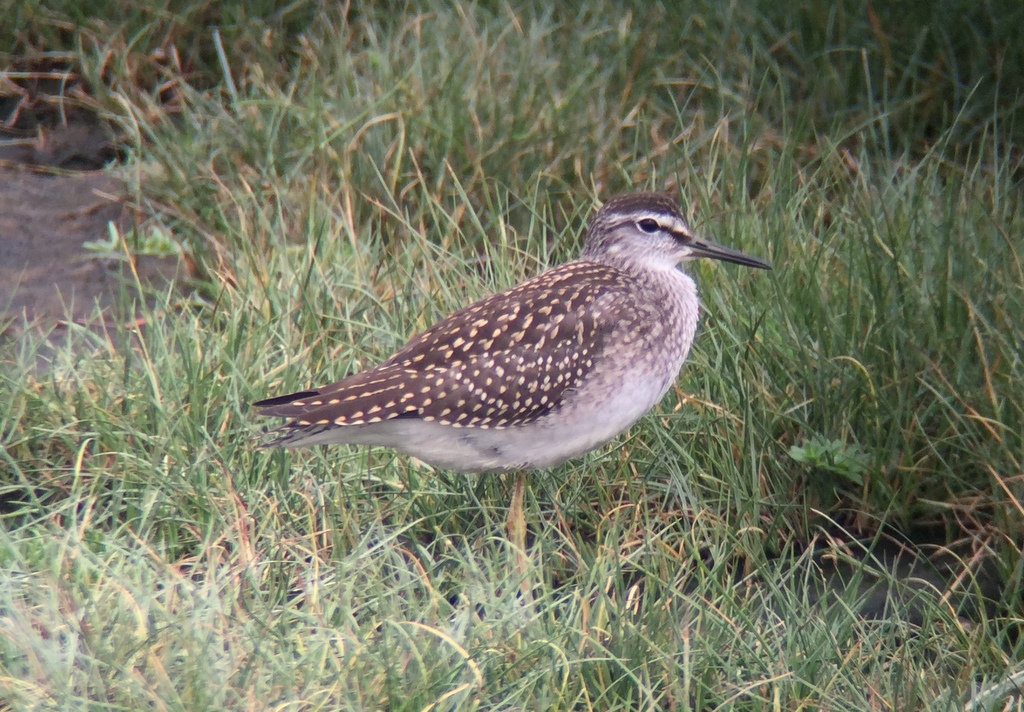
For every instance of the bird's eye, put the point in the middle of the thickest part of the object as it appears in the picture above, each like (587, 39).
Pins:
(648, 225)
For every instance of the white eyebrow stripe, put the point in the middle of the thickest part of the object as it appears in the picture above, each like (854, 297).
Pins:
(668, 223)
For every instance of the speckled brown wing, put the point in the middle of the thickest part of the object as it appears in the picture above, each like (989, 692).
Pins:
(506, 360)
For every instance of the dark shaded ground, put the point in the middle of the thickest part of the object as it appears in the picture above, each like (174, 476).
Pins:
(50, 206)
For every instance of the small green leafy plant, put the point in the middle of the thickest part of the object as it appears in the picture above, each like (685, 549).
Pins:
(833, 457)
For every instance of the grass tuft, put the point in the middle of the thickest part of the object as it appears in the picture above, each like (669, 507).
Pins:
(344, 176)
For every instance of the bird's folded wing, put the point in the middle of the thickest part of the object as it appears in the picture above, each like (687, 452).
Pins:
(504, 361)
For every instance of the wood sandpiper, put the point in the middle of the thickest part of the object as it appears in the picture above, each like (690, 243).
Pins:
(529, 378)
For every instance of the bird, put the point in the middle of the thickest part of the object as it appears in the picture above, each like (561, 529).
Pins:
(531, 377)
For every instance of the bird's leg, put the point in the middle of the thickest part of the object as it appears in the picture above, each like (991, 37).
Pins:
(516, 527)
(516, 524)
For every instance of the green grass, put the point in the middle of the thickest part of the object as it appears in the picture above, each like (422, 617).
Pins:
(361, 176)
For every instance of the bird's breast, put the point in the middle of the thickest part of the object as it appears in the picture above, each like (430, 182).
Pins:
(639, 361)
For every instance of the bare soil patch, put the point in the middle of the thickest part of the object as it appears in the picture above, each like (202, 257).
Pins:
(54, 197)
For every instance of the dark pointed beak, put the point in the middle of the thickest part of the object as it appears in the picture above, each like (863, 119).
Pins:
(701, 247)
